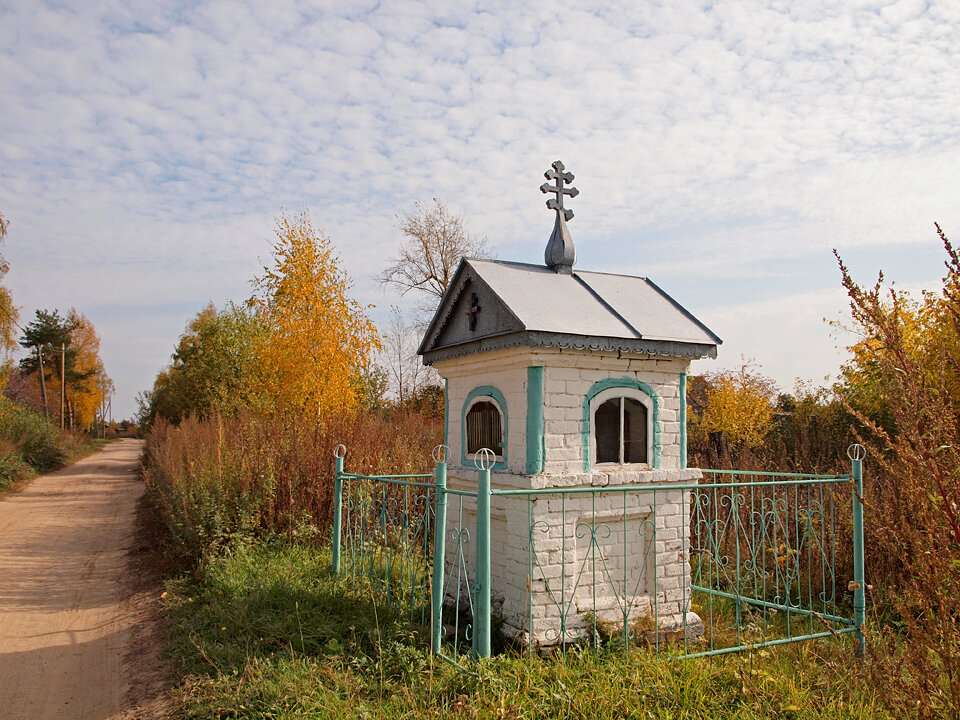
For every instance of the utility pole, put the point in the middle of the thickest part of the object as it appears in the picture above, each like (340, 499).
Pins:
(43, 384)
(63, 380)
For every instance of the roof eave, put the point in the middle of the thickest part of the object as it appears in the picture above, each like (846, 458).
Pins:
(661, 348)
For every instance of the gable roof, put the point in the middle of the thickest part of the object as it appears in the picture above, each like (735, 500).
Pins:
(523, 304)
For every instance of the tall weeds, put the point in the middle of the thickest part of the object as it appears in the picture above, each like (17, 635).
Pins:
(918, 514)
(216, 479)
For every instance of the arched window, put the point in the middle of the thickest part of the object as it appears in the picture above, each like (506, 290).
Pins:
(484, 425)
(620, 426)
(620, 431)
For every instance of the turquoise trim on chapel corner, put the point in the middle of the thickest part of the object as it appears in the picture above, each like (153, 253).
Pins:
(446, 412)
(489, 391)
(535, 420)
(683, 421)
(621, 382)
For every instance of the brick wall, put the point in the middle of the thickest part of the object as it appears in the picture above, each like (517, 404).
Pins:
(592, 555)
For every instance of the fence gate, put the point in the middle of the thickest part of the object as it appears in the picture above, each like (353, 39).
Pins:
(758, 565)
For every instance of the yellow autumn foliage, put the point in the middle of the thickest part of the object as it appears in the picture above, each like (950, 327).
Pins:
(739, 403)
(91, 386)
(8, 316)
(319, 338)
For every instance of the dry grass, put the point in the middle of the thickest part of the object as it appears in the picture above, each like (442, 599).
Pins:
(216, 480)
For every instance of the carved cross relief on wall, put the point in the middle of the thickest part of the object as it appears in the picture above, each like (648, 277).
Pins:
(473, 311)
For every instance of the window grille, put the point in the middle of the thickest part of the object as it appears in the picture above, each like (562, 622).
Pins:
(484, 428)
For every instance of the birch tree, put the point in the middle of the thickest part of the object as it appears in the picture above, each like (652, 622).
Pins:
(320, 338)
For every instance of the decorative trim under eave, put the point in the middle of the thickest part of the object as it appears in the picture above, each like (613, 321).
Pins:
(664, 348)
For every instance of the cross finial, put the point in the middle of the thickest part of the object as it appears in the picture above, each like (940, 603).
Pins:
(560, 254)
(556, 172)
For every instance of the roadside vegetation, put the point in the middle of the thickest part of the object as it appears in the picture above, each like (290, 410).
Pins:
(31, 445)
(239, 469)
(30, 442)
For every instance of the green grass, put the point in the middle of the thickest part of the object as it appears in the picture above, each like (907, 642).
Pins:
(267, 632)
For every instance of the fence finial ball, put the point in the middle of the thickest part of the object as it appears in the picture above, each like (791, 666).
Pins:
(856, 452)
(340, 451)
(484, 459)
(439, 453)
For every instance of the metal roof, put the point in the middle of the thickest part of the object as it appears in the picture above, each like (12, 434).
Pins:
(582, 309)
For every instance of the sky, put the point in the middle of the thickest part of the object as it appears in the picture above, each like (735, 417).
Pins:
(722, 149)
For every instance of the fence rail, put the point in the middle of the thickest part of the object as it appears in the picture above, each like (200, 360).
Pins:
(739, 560)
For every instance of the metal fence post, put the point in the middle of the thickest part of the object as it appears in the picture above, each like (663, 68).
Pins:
(481, 621)
(856, 454)
(439, 546)
(339, 452)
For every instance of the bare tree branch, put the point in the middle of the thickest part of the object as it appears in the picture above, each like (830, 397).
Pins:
(434, 241)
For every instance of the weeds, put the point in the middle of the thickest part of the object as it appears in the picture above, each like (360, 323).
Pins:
(918, 658)
(215, 480)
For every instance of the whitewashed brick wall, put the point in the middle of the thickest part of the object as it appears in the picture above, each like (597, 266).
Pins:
(557, 578)
(565, 574)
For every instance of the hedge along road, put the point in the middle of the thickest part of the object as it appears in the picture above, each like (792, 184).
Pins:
(66, 620)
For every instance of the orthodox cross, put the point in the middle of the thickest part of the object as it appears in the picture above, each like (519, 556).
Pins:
(473, 311)
(556, 172)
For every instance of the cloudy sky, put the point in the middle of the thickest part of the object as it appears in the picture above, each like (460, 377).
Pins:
(720, 148)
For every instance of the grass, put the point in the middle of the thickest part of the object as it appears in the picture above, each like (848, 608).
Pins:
(267, 632)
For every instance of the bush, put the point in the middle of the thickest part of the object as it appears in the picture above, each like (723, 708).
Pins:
(29, 443)
(12, 465)
(218, 479)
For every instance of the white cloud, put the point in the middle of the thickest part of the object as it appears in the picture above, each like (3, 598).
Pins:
(144, 150)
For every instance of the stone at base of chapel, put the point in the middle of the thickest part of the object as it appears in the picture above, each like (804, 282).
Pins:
(573, 379)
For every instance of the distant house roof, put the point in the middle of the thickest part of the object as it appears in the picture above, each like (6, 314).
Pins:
(492, 304)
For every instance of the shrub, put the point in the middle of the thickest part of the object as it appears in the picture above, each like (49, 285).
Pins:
(12, 466)
(217, 479)
(30, 443)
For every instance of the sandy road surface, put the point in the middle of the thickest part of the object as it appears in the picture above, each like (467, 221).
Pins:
(66, 620)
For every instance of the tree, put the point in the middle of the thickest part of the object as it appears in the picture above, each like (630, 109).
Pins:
(48, 335)
(91, 386)
(434, 241)
(8, 313)
(215, 368)
(67, 350)
(736, 406)
(320, 339)
(405, 373)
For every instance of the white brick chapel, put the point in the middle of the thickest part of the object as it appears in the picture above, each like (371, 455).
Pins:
(573, 379)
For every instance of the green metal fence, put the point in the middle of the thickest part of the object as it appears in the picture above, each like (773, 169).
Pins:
(739, 560)
(383, 529)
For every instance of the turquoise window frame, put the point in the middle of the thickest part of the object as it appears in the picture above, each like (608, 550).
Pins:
(624, 383)
(494, 394)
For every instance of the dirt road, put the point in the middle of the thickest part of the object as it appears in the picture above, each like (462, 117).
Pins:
(67, 620)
